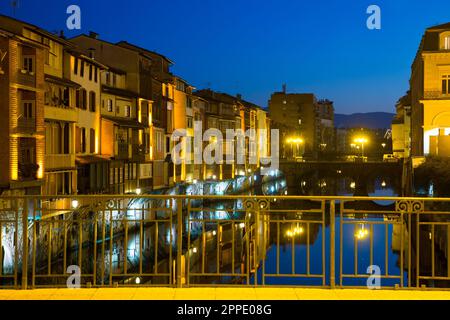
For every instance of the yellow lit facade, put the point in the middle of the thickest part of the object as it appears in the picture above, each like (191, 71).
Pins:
(430, 94)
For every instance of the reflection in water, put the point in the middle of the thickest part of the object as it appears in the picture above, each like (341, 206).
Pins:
(135, 242)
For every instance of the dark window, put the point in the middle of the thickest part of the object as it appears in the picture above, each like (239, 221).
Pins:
(90, 72)
(446, 84)
(84, 99)
(92, 140)
(82, 69)
(75, 66)
(96, 74)
(78, 98)
(83, 140)
(92, 101)
(66, 97)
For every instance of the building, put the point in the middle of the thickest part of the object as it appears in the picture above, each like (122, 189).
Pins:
(325, 128)
(401, 128)
(306, 124)
(430, 94)
(162, 94)
(126, 113)
(224, 111)
(92, 170)
(31, 60)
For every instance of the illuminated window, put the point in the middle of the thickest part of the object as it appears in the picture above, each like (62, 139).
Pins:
(127, 111)
(110, 107)
(447, 43)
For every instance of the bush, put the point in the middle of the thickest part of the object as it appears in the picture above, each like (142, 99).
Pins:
(435, 170)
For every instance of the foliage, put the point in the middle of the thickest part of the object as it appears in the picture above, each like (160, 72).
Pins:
(435, 170)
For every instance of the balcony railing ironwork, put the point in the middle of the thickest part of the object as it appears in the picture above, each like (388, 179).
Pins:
(179, 240)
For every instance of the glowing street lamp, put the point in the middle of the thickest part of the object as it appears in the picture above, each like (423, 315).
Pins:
(294, 141)
(362, 141)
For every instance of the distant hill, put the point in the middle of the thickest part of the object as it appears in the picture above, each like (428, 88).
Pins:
(371, 120)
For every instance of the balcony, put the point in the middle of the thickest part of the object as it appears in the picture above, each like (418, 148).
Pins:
(26, 78)
(62, 112)
(26, 125)
(122, 151)
(436, 94)
(59, 161)
(28, 171)
(138, 152)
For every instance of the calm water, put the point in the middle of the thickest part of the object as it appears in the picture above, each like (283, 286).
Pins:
(382, 186)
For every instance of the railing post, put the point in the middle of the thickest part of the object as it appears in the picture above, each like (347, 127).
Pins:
(25, 244)
(179, 240)
(332, 244)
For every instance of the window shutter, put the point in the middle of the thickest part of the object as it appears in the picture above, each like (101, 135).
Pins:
(77, 140)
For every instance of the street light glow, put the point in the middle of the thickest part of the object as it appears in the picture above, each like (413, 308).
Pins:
(361, 140)
(296, 140)
(361, 233)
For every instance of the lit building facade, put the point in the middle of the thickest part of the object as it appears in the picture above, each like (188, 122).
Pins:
(306, 125)
(430, 94)
(25, 52)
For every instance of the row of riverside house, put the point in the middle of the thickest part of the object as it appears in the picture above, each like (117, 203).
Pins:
(86, 116)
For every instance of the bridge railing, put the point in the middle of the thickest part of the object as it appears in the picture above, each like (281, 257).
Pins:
(191, 241)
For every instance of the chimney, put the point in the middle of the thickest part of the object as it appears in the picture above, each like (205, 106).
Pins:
(61, 34)
(284, 88)
(93, 34)
(239, 96)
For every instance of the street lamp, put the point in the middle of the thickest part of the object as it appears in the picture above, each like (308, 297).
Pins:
(294, 140)
(362, 141)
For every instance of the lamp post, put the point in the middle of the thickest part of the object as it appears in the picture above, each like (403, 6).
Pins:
(362, 141)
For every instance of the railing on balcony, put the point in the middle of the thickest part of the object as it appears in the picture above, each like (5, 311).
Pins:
(26, 125)
(26, 78)
(27, 171)
(57, 161)
(122, 151)
(163, 240)
(436, 94)
(138, 152)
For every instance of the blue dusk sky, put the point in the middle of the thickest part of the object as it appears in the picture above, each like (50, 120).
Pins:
(253, 47)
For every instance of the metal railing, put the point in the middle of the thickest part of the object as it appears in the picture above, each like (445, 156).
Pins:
(164, 240)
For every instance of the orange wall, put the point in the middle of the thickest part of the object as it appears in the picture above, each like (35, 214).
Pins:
(107, 136)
